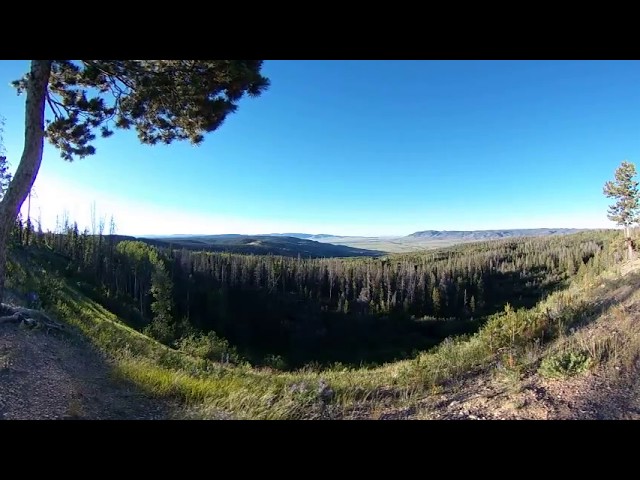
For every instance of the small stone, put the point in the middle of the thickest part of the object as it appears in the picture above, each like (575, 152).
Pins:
(324, 391)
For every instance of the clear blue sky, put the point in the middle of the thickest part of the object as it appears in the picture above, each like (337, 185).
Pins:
(367, 148)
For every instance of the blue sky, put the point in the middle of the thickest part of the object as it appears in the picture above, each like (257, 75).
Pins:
(366, 148)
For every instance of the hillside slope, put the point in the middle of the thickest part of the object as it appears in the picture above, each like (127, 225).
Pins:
(509, 370)
(602, 380)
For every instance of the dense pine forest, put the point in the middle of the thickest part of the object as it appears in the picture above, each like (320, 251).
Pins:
(286, 312)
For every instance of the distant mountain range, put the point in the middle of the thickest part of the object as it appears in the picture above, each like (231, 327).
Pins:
(492, 234)
(444, 234)
(327, 245)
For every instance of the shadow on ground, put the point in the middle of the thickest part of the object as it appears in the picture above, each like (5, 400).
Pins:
(61, 376)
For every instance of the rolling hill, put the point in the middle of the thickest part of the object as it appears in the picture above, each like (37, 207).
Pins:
(262, 245)
(476, 235)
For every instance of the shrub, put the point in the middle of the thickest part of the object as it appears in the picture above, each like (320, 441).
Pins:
(565, 364)
(275, 362)
(209, 346)
(160, 330)
(50, 289)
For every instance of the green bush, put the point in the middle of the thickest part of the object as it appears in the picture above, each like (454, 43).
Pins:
(565, 364)
(276, 362)
(50, 289)
(209, 346)
(161, 330)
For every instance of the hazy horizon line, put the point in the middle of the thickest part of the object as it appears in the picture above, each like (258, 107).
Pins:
(367, 236)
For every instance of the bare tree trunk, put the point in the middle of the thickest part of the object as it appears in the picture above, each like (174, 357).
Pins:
(31, 156)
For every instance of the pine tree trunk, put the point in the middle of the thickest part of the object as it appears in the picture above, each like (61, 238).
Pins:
(627, 238)
(141, 293)
(188, 304)
(31, 159)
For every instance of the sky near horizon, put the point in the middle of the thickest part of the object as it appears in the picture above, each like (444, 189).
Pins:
(365, 148)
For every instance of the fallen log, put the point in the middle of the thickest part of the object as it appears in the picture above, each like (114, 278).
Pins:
(29, 317)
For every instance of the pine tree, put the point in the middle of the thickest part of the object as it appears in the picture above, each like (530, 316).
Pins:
(163, 100)
(5, 176)
(436, 300)
(161, 290)
(626, 211)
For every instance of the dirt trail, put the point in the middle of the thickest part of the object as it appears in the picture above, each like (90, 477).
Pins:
(60, 376)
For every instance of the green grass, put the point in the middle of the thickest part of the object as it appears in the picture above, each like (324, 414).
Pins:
(201, 384)
(614, 345)
(211, 390)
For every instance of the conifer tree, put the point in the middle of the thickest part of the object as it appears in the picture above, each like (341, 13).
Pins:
(163, 100)
(436, 300)
(5, 176)
(626, 210)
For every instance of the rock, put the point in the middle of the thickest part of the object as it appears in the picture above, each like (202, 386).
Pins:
(324, 391)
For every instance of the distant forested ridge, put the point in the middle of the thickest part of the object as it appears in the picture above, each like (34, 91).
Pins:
(287, 246)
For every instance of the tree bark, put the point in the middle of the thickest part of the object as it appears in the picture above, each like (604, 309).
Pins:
(31, 158)
(627, 239)
(28, 218)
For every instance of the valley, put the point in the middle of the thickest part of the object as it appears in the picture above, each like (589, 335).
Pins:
(404, 336)
(333, 253)
(308, 245)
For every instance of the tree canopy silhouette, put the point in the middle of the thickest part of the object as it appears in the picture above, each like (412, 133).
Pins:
(163, 100)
